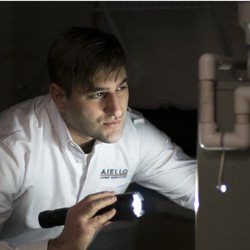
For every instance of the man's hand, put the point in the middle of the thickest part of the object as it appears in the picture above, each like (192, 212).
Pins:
(80, 227)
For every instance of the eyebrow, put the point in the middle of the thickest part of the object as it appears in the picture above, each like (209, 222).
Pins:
(104, 89)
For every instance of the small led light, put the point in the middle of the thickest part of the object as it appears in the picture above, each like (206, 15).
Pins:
(223, 188)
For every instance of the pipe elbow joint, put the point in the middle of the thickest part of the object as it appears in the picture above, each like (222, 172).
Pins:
(238, 139)
(210, 139)
(242, 100)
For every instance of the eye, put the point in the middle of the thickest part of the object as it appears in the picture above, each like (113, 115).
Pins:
(121, 88)
(97, 95)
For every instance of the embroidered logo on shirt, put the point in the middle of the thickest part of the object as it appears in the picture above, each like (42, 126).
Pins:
(114, 173)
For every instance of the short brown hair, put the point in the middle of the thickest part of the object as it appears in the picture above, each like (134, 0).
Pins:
(77, 54)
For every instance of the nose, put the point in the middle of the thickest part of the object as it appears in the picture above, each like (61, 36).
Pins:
(113, 106)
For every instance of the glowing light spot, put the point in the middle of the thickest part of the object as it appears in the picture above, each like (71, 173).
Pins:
(196, 204)
(223, 188)
(137, 205)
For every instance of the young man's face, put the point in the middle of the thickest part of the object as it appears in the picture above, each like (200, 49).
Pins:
(98, 115)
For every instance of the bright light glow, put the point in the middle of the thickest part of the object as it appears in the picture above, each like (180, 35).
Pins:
(196, 204)
(196, 198)
(137, 205)
(223, 188)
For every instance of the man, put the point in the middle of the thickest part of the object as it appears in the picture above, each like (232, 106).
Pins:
(79, 146)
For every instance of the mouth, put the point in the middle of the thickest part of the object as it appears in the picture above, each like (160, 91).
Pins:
(112, 124)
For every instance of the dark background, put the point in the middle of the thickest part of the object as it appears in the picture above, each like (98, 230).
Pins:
(163, 40)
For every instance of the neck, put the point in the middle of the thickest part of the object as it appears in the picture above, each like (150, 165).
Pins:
(87, 146)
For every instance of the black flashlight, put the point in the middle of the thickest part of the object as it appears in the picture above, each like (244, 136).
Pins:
(128, 206)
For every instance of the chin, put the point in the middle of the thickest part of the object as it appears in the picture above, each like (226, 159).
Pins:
(113, 138)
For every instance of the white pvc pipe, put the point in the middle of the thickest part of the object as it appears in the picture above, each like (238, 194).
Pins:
(210, 139)
(238, 139)
(244, 18)
(242, 100)
(207, 101)
(207, 66)
(210, 63)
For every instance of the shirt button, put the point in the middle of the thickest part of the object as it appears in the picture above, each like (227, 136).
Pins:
(72, 144)
(79, 161)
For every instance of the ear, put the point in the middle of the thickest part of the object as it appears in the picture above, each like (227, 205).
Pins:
(59, 96)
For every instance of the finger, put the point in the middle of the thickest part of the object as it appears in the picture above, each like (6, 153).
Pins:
(102, 220)
(92, 207)
(82, 204)
(99, 195)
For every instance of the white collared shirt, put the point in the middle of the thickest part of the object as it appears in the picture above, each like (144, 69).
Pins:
(41, 168)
